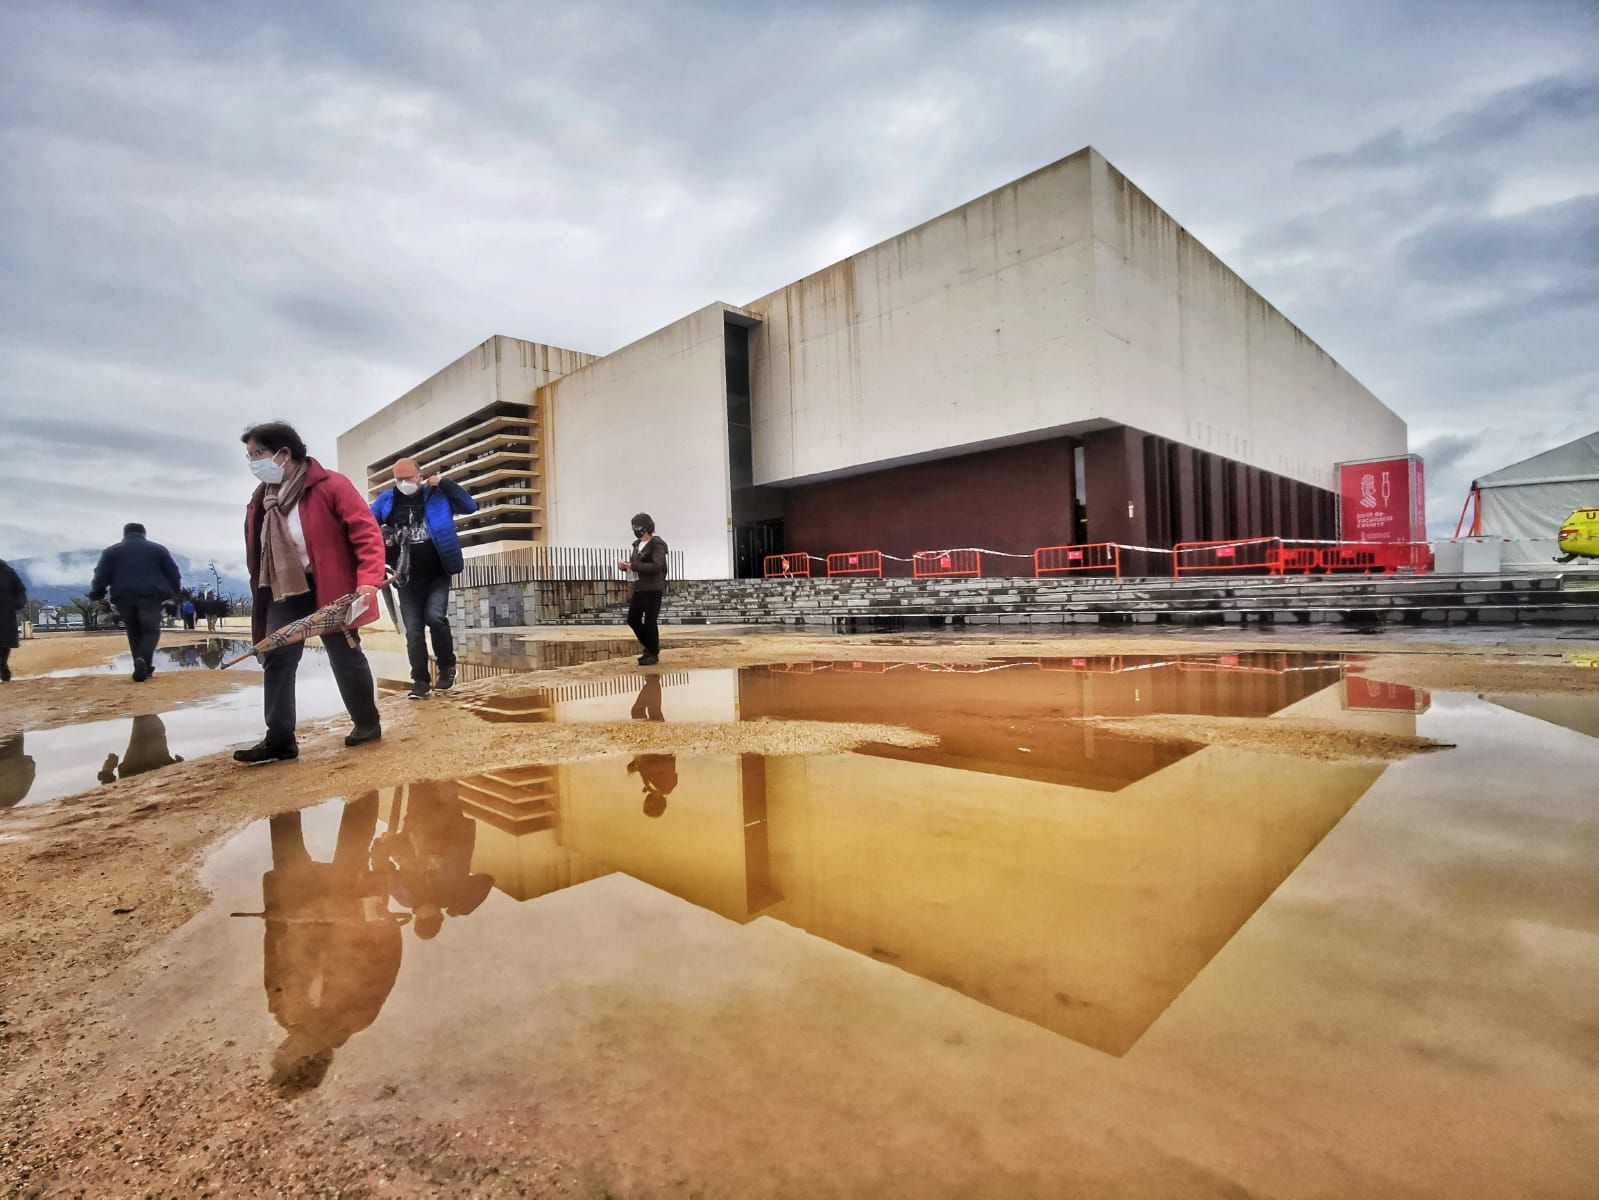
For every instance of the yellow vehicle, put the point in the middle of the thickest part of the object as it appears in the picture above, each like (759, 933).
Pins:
(1579, 535)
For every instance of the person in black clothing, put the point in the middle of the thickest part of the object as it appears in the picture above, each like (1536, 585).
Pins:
(648, 565)
(13, 596)
(139, 574)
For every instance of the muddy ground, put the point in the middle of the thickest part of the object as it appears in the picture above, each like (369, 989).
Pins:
(91, 885)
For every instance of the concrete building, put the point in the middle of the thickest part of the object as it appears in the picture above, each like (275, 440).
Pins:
(1055, 362)
(480, 421)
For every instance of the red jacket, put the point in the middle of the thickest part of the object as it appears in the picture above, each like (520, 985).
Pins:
(341, 536)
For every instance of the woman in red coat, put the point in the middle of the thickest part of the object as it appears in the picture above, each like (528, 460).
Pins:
(310, 539)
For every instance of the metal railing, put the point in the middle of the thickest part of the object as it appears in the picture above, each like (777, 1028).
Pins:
(532, 564)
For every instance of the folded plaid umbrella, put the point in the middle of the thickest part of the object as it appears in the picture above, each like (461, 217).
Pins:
(330, 618)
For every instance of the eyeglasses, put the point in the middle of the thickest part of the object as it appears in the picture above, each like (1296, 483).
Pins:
(257, 455)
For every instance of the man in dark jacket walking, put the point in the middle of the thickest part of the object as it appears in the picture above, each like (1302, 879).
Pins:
(648, 566)
(13, 598)
(139, 574)
(418, 519)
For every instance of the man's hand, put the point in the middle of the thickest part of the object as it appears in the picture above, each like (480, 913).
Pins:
(622, 566)
(432, 480)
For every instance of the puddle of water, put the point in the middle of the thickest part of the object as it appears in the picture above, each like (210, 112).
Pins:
(1073, 879)
(43, 764)
(1004, 716)
(592, 931)
(206, 656)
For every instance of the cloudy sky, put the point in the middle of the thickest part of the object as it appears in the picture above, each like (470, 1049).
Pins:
(211, 214)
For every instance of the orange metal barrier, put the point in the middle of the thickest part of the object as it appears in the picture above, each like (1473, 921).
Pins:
(1095, 556)
(856, 562)
(1260, 555)
(1296, 560)
(781, 566)
(1377, 558)
(927, 564)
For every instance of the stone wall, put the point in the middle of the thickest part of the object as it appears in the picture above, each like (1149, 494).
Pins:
(540, 602)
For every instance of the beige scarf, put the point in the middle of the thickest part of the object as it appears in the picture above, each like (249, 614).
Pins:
(280, 558)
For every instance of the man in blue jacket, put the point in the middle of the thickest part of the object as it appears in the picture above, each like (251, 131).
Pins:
(418, 519)
(140, 575)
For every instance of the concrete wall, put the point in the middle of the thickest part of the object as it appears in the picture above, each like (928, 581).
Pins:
(971, 330)
(501, 368)
(1058, 303)
(645, 429)
(1186, 350)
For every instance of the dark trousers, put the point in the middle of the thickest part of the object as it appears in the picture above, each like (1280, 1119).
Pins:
(643, 616)
(142, 619)
(351, 672)
(424, 604)
(188, 621)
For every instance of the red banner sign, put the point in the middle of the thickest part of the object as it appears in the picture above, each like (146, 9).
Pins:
(1382, 500)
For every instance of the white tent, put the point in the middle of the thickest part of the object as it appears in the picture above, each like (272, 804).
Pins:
(1526, 501)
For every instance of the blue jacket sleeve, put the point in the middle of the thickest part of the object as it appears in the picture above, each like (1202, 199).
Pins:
(460, 499)
(383, 505)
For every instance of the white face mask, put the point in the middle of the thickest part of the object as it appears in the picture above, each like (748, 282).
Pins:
(266, 470)
(407, 486)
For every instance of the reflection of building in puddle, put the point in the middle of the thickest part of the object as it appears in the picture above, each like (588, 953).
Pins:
(488, 657)
(1082, 890)
(1081, 898)
(618, 697)
(1578, 713)
(1015, 717)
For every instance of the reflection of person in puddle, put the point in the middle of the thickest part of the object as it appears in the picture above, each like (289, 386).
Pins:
(16, 770)
(659, 775)
(431, 854)
(147, 751)
(332, 948)
(211, 655)
(648, 705)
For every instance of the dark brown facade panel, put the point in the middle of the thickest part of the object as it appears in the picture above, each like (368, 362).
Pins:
(1140, 490)
(1014, 500)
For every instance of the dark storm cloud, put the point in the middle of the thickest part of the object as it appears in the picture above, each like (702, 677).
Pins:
(1500, 118)
(115, 439)
(1559, 241)
(1444, 452)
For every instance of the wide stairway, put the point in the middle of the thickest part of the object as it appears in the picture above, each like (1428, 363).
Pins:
(1060, 600)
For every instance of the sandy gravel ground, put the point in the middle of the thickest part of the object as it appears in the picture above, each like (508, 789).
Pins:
(91, 884)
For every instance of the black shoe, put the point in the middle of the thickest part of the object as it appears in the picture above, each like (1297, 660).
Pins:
(446, 680)
(648, 660)
(419, 691)
(265, 752)
(5, 674)
(362, 734)
(141, 670)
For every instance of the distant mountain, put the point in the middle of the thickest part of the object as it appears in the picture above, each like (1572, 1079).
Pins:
(57, 578)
